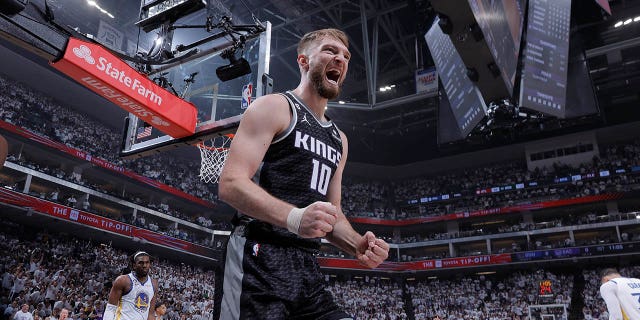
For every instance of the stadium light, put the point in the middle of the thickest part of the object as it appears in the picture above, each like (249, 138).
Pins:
(626, 22)
(636, 19)
(93, 3)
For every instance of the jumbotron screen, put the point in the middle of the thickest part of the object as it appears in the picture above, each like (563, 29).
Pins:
(544, 76)
(501, 24)
(466, 101)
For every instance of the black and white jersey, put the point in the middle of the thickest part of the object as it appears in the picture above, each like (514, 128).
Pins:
(299, 164)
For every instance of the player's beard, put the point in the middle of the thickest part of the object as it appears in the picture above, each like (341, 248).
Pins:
(317, 80)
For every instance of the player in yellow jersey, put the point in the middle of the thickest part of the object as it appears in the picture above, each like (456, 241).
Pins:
(133, 295)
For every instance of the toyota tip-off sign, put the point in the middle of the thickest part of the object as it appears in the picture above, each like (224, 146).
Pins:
(97, 69)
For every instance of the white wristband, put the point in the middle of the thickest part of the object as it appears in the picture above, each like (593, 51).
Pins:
(109, 312)
(293, 220)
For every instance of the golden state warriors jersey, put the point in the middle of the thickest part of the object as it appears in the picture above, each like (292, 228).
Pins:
(134, 305)
(622, 296)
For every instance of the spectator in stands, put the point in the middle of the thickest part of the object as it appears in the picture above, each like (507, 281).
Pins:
(71, 201)
(160, 311)
(23, 313)
(64, 314)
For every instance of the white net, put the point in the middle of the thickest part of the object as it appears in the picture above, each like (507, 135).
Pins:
(213, 157)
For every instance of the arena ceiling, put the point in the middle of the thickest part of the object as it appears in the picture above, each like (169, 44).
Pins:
(391, 127)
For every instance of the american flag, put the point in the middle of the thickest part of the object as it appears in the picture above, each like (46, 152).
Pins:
(144, 131)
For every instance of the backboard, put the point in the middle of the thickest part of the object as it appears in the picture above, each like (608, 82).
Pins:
(220, 104)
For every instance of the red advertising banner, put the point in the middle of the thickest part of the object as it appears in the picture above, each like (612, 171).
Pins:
(493, 211)
(89, 219)
(419, 265)
(101, 163)
(64, 212)
(105, 74)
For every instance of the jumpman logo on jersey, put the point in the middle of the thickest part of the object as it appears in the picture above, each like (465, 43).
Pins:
(304, 119)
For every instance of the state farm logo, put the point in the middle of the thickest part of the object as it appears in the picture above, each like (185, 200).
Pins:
(83, 52)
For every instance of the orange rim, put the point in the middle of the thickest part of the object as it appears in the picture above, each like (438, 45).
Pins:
(201, 144)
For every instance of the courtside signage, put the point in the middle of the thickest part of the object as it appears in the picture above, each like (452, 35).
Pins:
(97, 69)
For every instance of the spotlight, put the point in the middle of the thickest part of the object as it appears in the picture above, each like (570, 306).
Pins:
(236, 68)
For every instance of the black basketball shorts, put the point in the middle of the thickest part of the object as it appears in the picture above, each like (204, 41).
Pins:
(274, 282)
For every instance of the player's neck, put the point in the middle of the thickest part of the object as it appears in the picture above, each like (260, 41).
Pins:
(142, 279)
(312, 99)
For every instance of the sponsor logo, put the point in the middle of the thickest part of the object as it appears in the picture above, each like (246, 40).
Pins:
(256, 249)
(74, 215)
(126, 80)
(83, 52)
(304, 119)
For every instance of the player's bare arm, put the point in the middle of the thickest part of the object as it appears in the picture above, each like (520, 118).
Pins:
(118, 288)
(368, 249)
(263, 120)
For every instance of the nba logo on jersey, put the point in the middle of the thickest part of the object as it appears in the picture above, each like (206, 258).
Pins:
(247, 91)
(256, 248)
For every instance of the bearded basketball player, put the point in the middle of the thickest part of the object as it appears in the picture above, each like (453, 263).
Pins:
(133, 295)
(297, 155)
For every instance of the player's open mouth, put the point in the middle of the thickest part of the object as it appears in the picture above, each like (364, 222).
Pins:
(333, 76)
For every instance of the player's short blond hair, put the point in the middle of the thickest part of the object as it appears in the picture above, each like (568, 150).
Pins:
(312, 36)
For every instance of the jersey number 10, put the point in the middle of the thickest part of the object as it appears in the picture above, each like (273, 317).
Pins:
(320, 177)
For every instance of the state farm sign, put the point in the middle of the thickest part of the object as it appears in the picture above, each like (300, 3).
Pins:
(99, 70)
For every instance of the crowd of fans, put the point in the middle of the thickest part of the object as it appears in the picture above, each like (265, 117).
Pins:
(369, 298)
(462, 187)
(483, 297)
(42, 115)
(152, 223)
(49, 271)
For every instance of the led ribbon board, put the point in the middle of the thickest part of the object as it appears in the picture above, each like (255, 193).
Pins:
(97, 69)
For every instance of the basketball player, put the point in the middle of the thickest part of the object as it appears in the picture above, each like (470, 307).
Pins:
(622, 295)
(4, 150)
(297, 154)
(133, 295)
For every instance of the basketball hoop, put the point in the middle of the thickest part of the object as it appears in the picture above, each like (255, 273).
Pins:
(213, 157)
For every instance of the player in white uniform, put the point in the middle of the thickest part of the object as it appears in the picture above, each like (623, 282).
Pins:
(622, 295)
(133, 295)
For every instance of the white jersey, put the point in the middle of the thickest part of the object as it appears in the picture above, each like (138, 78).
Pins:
(622, 296)
(134, 305)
